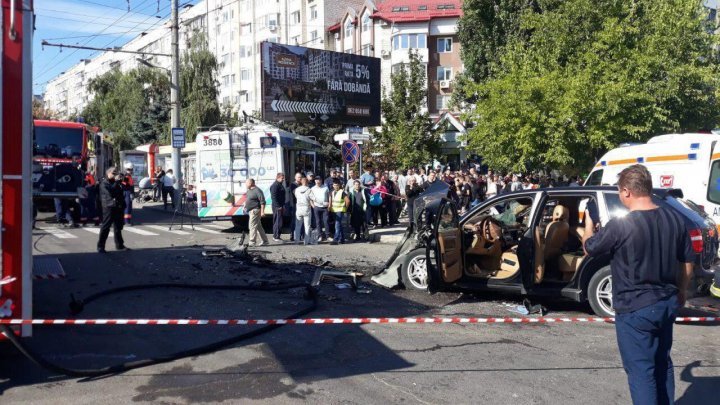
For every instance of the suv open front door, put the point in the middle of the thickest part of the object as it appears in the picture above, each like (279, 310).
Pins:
(444, 251)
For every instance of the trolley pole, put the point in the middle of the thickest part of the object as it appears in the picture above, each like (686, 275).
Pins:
(175, 95)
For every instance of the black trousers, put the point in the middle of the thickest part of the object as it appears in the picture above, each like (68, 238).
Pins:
(111, 217)
(277, 221)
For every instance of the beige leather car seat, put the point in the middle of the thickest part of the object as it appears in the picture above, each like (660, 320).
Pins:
(557, 232)
(550, 247)
(568, 264)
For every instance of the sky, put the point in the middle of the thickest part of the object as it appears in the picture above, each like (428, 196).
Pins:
(95, 23)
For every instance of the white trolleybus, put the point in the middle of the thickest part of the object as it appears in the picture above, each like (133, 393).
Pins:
(227, 157)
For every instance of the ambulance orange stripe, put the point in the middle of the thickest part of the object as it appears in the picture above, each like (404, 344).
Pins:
(622, 161)
(715, 156)
(666, 158)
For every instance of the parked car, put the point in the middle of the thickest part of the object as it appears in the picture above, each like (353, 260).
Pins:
(528, 242)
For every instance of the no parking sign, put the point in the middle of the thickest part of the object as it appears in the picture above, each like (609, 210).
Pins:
(350, 152)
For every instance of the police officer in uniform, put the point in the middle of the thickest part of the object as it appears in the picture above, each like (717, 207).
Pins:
(112, 202)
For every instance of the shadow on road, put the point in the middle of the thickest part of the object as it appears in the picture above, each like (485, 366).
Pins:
(701, 389)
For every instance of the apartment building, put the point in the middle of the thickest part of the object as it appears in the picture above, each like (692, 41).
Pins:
(234, 29)
(391, 29)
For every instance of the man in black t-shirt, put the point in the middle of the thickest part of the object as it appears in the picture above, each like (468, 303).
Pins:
(651, 268)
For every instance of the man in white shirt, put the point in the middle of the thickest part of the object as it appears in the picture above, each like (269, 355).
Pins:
(168, 188)
(320, 200)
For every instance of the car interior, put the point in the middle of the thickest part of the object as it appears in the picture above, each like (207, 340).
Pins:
(492, 235)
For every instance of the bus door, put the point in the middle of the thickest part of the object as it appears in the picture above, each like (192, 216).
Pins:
(218, 196)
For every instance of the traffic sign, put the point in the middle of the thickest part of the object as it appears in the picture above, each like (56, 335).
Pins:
(360, 137)
(350, 152)
(178, 138)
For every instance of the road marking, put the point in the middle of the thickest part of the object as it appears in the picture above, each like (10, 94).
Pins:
(139, 231)
(96, 231)
(197, 228)
(59, 233)
(221, 227)
(165, 229)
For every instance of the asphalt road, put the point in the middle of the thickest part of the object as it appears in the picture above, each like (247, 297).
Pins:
(427, 364)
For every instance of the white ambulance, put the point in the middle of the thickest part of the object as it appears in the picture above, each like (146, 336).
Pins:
(689, 162)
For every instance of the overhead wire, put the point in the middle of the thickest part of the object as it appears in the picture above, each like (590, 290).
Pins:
(47, 68)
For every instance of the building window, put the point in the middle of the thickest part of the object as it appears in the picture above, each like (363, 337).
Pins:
(226, 100)
(244, 74)
(442, 102)
(366, 21)
(313, 13)
(226, 80)
(349, 29)
(366, 50)
(271, 20)
(349, 50)
(245, 29)
(444, 73)
(232, 79)
(422, 8)
(444, 45)
(313, 36)
(295, 40)
(446, 7)
(414, 41)
(295, 17)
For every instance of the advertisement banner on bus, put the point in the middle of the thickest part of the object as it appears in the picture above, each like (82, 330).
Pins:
(313, 85)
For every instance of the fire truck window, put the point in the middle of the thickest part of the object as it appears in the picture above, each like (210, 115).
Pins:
(58, 142)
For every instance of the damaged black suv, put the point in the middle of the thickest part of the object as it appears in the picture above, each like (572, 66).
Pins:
(528, 242)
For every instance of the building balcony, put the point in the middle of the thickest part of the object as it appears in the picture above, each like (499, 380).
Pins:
(403, 55)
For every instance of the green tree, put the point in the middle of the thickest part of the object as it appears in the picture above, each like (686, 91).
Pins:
(590, 74)
(406, 137)
(198, 86)
(132, 106)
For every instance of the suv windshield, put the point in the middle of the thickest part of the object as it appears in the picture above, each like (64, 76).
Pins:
(58, 142)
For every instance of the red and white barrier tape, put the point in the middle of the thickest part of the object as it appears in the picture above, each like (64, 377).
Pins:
(325, 321)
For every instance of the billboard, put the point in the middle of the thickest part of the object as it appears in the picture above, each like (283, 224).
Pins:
(312, 85)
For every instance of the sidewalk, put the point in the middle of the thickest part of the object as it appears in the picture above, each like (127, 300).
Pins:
(390, 234)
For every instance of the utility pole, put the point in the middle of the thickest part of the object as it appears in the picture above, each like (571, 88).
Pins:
(175, 96)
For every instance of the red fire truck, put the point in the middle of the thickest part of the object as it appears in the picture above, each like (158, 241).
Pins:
(16, 160)
(60, 158)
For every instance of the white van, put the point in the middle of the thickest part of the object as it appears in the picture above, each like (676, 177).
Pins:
(690, 162)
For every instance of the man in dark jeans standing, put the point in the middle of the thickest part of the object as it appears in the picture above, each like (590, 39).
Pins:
(651, 268)
(113, 204)
(277, 193)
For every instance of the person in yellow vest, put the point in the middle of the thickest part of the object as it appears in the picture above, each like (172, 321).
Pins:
(339, 203)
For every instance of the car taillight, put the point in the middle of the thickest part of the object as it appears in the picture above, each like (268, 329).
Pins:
(697, 240)
(203, 198)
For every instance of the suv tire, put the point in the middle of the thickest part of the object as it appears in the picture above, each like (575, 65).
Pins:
(599, 293)
(414, 270)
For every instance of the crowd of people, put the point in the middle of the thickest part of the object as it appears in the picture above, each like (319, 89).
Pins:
(320, 207)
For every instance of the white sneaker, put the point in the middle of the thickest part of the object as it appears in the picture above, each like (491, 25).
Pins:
(264, 244)
(277, 239)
